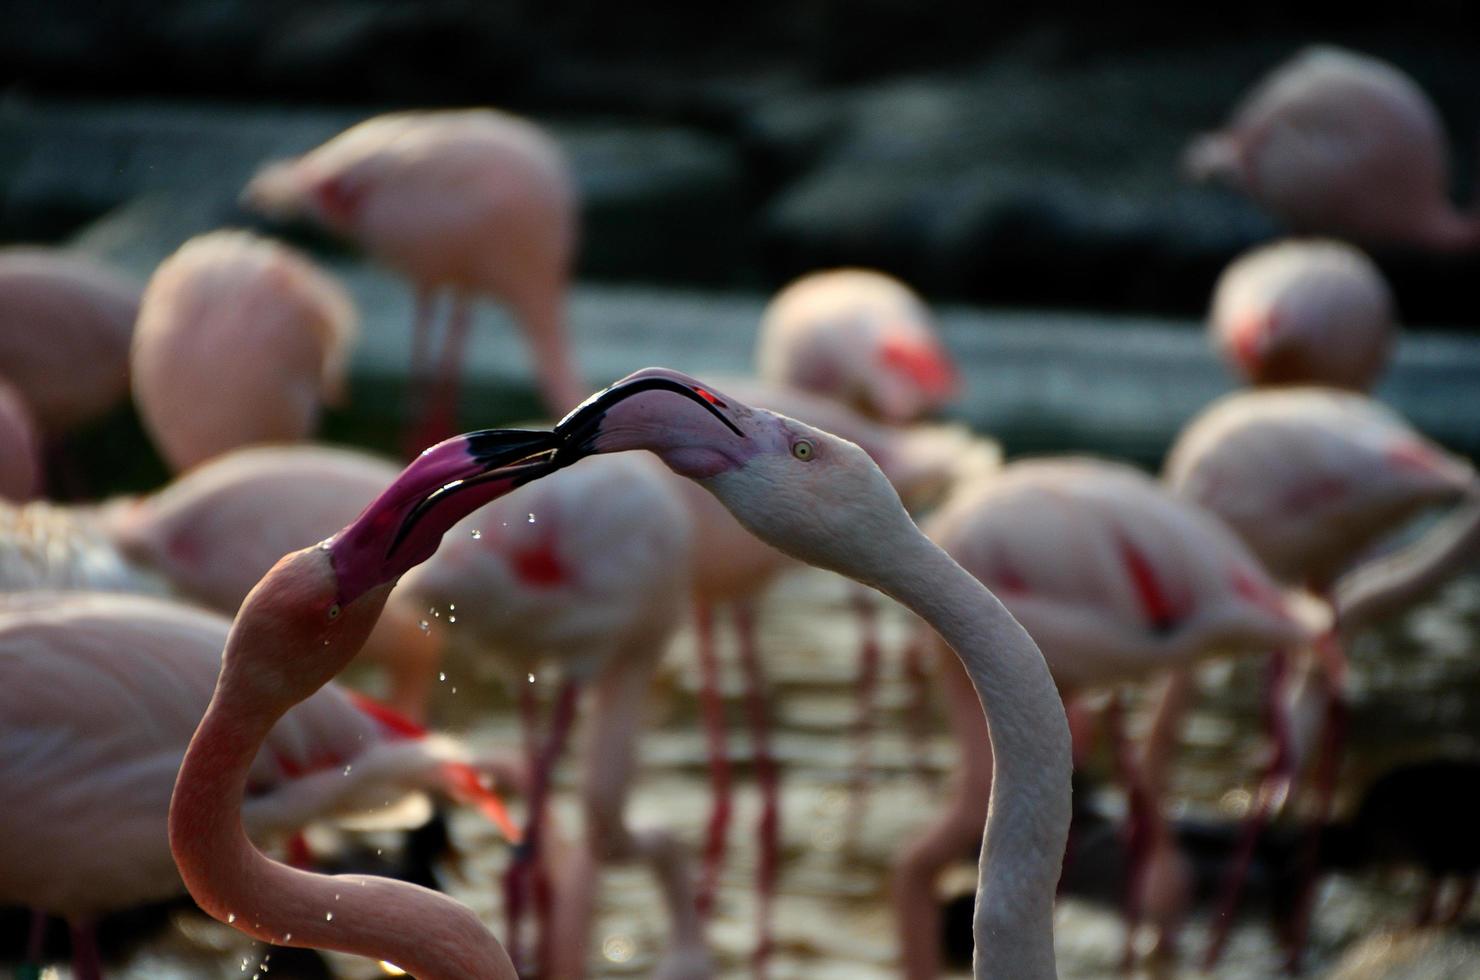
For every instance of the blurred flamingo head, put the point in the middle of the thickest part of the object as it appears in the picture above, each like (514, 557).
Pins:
(404, 525)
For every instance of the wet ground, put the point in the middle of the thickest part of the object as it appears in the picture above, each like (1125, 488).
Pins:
(1415, 692)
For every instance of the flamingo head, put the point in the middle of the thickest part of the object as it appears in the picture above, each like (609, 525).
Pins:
(404, 525)
(808, 493)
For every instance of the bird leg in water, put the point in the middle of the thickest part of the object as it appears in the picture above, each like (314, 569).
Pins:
(439, 416)
(713, 704)
(86, 963)
(526, 878)
(423, 323)
(1328, 767)
(869, 656)
(767, 777)
(1274, 786)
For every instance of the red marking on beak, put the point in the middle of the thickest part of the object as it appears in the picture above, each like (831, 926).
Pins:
(923, 364)
(710, 398)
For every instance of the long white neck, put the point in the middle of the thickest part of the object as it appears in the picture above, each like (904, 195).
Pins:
(1028, 819)
(1388, 585)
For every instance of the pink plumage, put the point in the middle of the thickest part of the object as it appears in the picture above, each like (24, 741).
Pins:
(240, 340)
(65, 324)
(1338, 143)
(858, 337)
(1304, 311)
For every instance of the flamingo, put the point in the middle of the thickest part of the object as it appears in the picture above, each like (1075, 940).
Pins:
(814, 495)
(587, 569)
(470, 202)
(239, 341)
(859, 337)
(1311, 479)
(20, 447)
(1304, 311)
(1338, 143)
(101, 696)
(65, 324)
(1115, 579)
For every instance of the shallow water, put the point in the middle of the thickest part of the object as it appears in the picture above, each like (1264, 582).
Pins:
(1415, 691)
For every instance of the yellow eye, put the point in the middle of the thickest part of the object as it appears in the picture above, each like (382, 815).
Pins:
(334, 611)
(803, 450)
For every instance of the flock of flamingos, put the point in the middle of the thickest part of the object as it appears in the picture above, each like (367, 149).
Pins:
(139, 760)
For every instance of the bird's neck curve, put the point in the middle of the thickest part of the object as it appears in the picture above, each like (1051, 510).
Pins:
(1028, 818)
(423, 932)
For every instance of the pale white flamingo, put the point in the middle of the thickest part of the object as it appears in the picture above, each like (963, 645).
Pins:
(1338, 143)
(1311, 479)
(815, 495)
(1304, 312)
(859, 337)
(240, 340)
(587, 570)
(65, 324)
(101, 696)
(1116, 580)
(470, 202)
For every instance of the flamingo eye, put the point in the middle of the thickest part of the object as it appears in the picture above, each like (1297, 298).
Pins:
(803, 449)
(334, 611)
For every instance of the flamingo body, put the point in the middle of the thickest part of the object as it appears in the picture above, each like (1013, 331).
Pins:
(1338, 143)
(1311, 312)
(65, 324)
(240, 340)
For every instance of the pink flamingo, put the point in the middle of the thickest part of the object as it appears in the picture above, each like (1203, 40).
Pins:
(20, 447)
(239, 341)
(1304, 311)
(1115, 579)
(1310, 479)
(1337, 143)
(810, 493)
(858, 337)
(587, 569)
(102, 695)
(470, 202)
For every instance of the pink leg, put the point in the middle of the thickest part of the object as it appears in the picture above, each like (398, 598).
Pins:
(440, 417)
(86, 963)
(1273, 785)
(715, 838)
(1328, 768)
(525, 878)
(423, 322)
(1138, 824)
(768, 778)
(863, 724)
(917, 676)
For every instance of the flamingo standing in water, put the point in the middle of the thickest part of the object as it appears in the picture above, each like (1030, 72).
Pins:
(588, 569)
(814, 495)
(472, 203)
(101, 696)
(1310, 479)
(1304, 312)
(1338, 143)
(211, 311)
(1115, 579)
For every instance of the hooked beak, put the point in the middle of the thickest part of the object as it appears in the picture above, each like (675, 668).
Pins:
(403, 526)
(579, 433)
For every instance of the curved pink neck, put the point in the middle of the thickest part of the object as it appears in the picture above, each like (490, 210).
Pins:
(1028, 818)
(423, 932)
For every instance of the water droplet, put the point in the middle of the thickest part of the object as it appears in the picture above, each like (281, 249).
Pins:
(347, 769)
(336, 896)
(451, 618)
(477, 535)
(425, 626)
(452, 607)
(441, 675)
(437, 613)
(328, 916)
(454, 689)
(379, 851)
(230, 918)
(287, 936)
(531, 678)
(531, 518)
